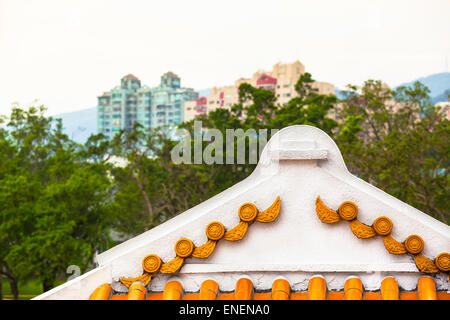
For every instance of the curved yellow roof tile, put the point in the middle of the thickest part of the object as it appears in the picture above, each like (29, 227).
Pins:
(173, 290)
(353, 289)
(281, 290)
(137, 291)
(389, 289)
(426, 289)
(317, 288)
(103, 292)
(209, 290)
(244, 289)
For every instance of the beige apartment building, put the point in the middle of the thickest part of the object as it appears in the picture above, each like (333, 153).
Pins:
(194, 108)
(445, 108)
(281, 80)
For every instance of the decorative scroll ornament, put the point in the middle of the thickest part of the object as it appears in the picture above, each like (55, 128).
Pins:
(361, 230)
(248, 212)
(151, 263)
(348, 210)
(173, 265)
(393, 246)
(414, 244)
(215, 231)
(237, 233)
(144, 278)
(424, 264)
(271, 213)
(325, 214)
(383, 226)
(442, 261)
(205, 250)
(184, 247)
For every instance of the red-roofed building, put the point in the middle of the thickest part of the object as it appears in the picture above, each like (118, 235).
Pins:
(281, 80)
(202, 101)
(267, 82)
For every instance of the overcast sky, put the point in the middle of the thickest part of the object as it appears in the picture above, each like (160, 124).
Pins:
(66, 53)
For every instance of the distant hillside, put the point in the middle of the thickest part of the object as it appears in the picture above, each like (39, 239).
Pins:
(441, 97)
(438, 83)
(340, 94)
(79, 125)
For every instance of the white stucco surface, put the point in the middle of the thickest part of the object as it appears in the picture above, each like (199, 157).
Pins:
(298, 164)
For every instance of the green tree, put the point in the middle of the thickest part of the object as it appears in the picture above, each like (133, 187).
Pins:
(149, 187)
(398, 141)
(257, 110)
(55, 200)
(308, 107)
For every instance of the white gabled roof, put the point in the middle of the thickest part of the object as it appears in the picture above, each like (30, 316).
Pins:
(298, 164)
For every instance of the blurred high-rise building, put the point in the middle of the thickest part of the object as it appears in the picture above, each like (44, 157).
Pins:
(131, 102)
(168, 101)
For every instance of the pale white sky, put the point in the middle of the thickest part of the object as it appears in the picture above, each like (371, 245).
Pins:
(65, 53)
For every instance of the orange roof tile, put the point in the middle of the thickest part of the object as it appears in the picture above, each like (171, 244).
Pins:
(281, 290)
